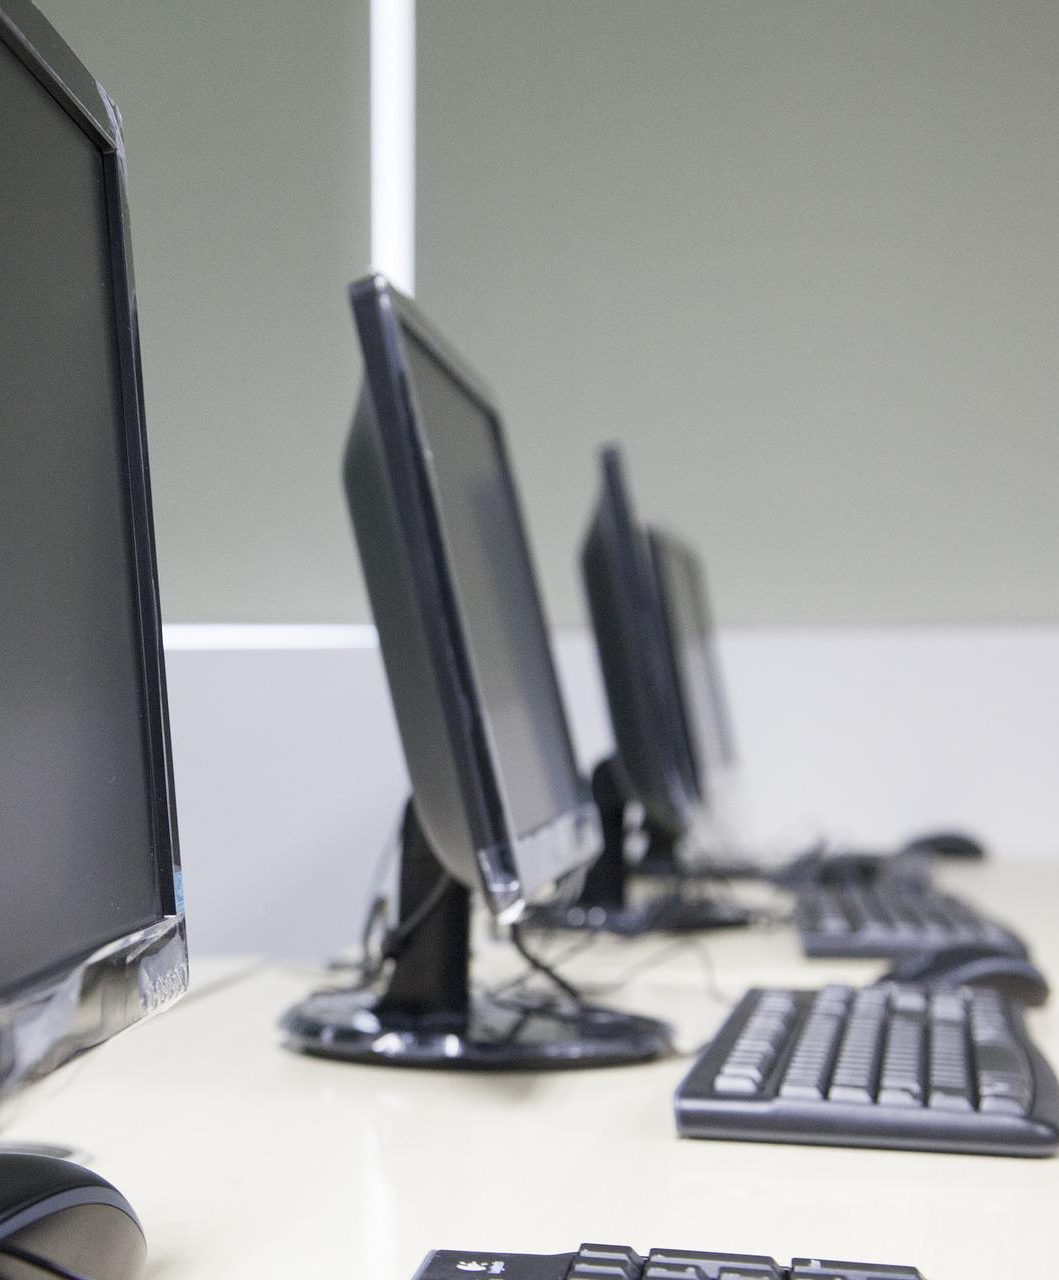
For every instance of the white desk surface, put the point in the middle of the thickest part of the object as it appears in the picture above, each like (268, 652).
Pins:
(248, 1161)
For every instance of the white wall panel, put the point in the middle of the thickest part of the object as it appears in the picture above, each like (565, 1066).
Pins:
(290, 776)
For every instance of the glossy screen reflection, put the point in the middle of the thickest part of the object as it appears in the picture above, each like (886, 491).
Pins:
(493, 579)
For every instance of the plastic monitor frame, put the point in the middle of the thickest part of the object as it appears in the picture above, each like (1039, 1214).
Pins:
(84, 999)
(458, 832)
(653, 765)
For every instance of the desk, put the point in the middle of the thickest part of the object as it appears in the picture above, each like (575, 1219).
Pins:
(247, 1162)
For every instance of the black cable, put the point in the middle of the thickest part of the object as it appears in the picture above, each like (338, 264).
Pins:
(541, 967)
(564, 957)
(377, 913)
(397, 937)
(643, 964)
(370, 968)
(42, 1264)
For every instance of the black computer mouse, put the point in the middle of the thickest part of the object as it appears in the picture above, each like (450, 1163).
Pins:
(946, 844)
(68, 1216)
(974, 966)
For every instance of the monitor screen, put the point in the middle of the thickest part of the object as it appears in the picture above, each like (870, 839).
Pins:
(493, 579)
(79, 809)
(691, 636)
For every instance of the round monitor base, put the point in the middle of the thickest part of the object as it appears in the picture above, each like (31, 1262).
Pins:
(714, 868)
(671, 914)
(516, 1033)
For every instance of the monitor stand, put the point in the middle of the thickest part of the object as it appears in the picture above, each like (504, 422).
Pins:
(430, 1017)
(604, 904)
(660, 862)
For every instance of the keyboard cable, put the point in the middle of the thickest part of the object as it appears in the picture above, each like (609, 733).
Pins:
(540, 966)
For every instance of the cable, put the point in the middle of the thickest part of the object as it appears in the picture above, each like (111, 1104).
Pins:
(541, 967)
(394, 941)
(370, 967)
(654, 957)
(575, 949)
(42, 1264)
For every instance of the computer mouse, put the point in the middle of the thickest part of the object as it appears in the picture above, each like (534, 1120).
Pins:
(946, 844)
(973, 966)
(67, 1216)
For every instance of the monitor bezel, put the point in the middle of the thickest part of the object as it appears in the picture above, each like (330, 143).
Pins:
(638, 677)
(509, 866)
(87, 997)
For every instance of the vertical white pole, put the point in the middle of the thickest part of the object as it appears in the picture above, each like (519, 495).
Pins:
(393, 140)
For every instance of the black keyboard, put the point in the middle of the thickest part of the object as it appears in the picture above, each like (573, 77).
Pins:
(618, 1262)
(883, 1066)
(892, 917)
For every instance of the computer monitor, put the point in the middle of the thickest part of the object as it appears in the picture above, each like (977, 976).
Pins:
(497, 801)
(688, 622)
(460, 623)
(92, 934)
(640, 681)
(654, 765)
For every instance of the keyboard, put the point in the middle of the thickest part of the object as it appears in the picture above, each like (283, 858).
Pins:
(892, 917)
(883, 1066)
(618, 1262)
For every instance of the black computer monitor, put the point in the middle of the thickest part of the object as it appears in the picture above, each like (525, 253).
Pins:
(654, 764)
(92, 932)
(459, 617)
(642, 693)
(688, 622)
(498, 804)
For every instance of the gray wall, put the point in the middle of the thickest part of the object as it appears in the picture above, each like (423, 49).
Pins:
(802, 258)
(247, 127)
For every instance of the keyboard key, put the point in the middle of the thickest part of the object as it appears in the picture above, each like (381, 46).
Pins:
(582, 1270)
(667, 1264)
(950, 1100)
(750, 1059)
(901, 1079)
(605, 1262)
(948, 1006)
(950, 1076)
(735, 1085)
(856, 1068)
(815, 1269)
(908, 1000)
